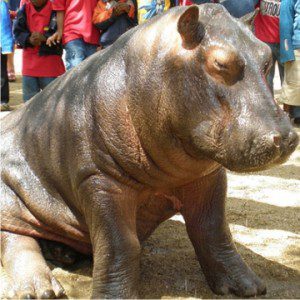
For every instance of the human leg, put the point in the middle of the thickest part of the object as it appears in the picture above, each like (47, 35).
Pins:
(30, 87)
(90, 49)
(11, 67)
(75, 53)
(270, 77)
(290, 94)
(44, 81)
(4, 80)
(276, 54)
(281, 71)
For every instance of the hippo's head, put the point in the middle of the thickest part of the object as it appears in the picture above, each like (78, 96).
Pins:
(210, 76)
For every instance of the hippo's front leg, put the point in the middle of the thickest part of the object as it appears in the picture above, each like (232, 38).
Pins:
(204, 214)
(109, 209)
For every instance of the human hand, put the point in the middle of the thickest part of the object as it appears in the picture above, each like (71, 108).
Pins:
(54, 39)
(121, 8)
(12, 14)
(36, 38)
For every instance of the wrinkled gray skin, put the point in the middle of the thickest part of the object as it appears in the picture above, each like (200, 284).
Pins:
(133, 135)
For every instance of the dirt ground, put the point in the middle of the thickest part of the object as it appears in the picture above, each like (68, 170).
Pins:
(263, 210)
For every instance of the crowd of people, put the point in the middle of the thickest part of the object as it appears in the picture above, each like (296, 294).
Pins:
(43, 28)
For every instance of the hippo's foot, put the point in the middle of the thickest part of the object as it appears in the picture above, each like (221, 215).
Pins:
(229, 274)
(26, 274)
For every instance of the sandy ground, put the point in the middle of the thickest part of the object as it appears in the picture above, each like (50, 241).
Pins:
(264, 214)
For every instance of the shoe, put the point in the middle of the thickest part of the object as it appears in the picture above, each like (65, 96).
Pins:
(5, 107)
(11, 76)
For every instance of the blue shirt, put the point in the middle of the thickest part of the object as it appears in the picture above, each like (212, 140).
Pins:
(296, 26)
(6, 41)
(289, 29)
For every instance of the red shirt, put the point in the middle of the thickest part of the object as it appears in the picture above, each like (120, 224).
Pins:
(33, 64)
(78, 20)
(266, 22)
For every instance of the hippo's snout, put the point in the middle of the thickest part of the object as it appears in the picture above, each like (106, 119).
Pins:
(270, 149)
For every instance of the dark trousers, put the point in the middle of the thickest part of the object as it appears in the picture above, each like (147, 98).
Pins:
(275, 48)
(4, 79)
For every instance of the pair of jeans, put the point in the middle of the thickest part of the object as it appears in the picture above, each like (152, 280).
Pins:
(76, 51)
(4, 79)
(33, 85)
(238, 8)
(275, 48)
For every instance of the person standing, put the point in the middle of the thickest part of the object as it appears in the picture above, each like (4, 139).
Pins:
(34, 27)
(13, 6)
(113, 18)
(290, 56)
(80, 37)
(147, 9)
(6, 48)
(266, 27)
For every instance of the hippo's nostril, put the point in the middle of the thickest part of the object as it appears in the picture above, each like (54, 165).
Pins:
(276, 139)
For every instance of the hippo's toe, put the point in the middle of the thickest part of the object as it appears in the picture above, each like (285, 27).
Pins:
(27, 296)
(246, 285)
(48, 294)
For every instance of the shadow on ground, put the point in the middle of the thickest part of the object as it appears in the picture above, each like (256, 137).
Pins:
(286, 171)
(258, 215)
(169, 268)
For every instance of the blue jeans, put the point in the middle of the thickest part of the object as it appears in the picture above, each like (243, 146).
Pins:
(76, 51)
(33, 85)
(239, 8)
(275, 48)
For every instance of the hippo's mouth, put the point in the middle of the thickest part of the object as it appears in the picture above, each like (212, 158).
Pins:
(256, 168)
(253, 157)
(262, 159)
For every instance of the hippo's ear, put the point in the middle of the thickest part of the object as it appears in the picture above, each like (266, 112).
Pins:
(189, 27)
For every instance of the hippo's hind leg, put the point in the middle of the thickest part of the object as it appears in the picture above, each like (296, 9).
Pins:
(204, 213)
(26, 268)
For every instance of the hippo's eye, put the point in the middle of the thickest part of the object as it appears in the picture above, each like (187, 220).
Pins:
(224, 64)
(220, 65)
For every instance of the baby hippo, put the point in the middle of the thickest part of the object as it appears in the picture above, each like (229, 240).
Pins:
(139, 132)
